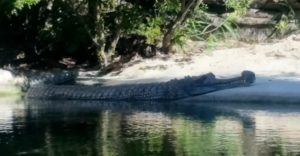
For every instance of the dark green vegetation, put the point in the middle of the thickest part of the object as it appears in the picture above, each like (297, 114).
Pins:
(40, 32)
(64, 33)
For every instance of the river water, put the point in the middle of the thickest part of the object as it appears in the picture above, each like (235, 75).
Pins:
(182, 128)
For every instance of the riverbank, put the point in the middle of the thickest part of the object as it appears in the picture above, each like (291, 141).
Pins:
(276, 66)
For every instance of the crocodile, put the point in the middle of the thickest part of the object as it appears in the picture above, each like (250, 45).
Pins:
(171, 90)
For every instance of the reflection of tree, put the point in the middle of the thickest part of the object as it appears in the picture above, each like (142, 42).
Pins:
(249, 144)
(48, 142)
(108, 139)
(228, 133)
(202, 139)
(131, 129)
(192, 138)
(273, 146)
(147, 133)
(67, 137)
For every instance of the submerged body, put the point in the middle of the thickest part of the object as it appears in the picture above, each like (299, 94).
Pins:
(171, 90)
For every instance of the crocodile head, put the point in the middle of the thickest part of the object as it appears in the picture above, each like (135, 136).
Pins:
(248, 77)
(209, 83)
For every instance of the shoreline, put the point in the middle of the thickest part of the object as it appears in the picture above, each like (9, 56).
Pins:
(276, 66)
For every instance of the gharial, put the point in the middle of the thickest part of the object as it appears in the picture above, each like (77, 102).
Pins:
(171, 90)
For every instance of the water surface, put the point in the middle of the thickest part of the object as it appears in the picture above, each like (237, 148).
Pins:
(183, 128)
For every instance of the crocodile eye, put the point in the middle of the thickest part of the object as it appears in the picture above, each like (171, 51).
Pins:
(248, 76)
(206, 79)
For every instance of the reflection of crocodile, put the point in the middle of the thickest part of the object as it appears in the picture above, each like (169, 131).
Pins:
(196, 110)
(171, 90)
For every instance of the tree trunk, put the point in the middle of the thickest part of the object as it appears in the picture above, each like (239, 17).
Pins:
(96, 11)
(97, 30)
(113, 44)
(187, 7)
(100, 38)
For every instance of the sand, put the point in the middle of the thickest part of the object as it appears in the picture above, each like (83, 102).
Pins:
(277, 68)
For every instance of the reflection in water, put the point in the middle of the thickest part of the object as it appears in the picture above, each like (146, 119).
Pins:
(282, 136)
(10, 109)
(122, 128)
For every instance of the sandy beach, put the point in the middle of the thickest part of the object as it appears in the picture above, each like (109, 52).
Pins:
(276, 66)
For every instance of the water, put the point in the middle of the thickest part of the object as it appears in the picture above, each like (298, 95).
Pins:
(184, 128)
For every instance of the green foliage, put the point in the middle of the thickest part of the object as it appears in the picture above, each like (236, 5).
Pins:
(168, 8)
(73, 28)
(240, 6)
(76, 28)
(282, 26)
(130, 18)
(201, 27)
(19, 4)
(181, 37)
(151, 30)
(197, 25)
(11, 92)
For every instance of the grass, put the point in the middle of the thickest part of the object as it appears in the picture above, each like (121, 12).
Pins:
(10, 93)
